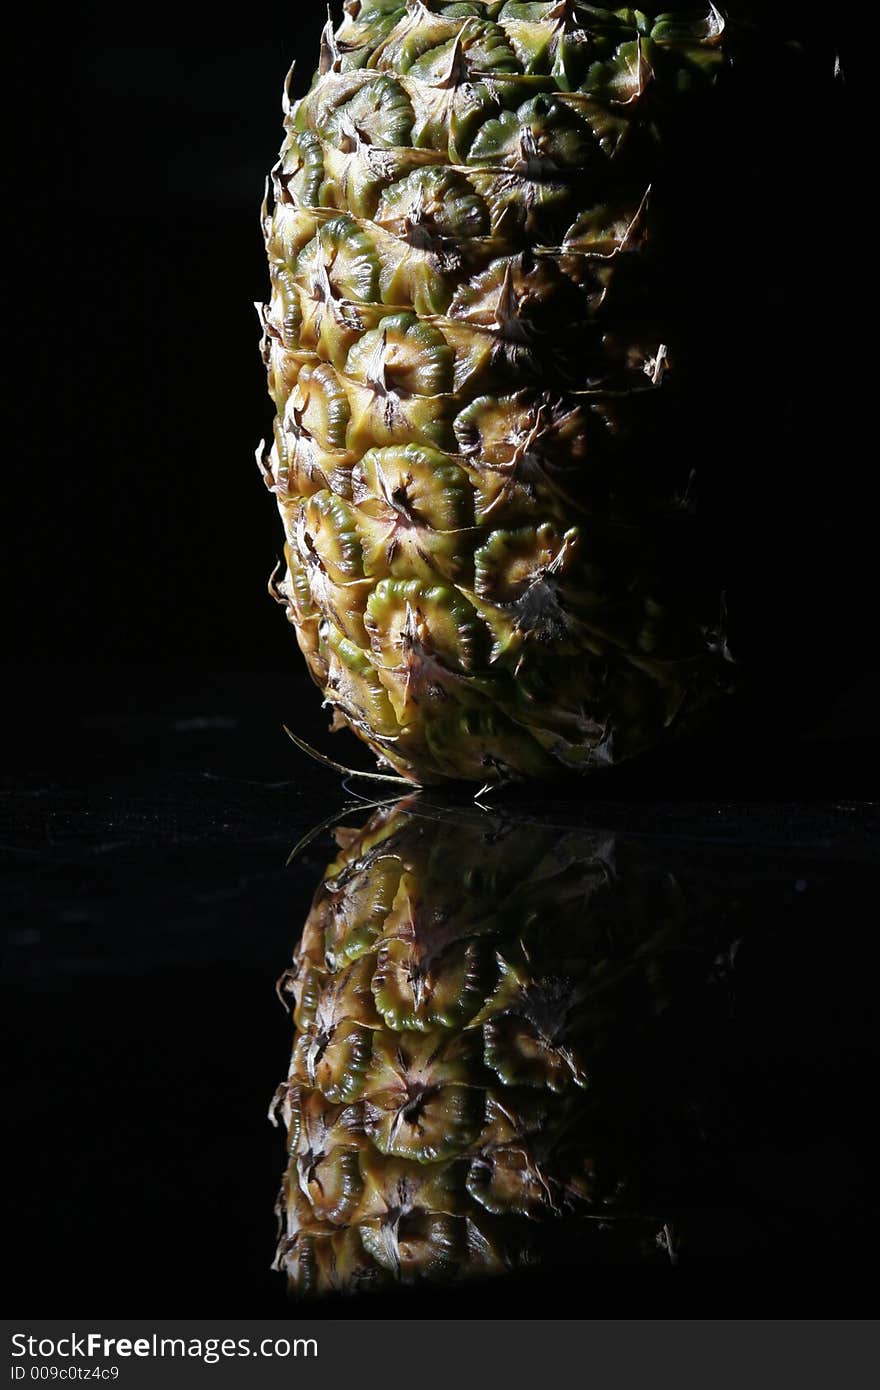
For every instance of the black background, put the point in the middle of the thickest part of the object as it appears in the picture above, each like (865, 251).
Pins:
(156, 798)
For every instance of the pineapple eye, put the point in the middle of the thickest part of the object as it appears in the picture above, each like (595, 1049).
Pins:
(512, 563)
(301, 170)
(414, 623)
(285, 316)
(404, 355)
(543, 138)
(347, 256)
(431, 206)
(320, 406)
(356, 684)
(333, 536)
(374, 110)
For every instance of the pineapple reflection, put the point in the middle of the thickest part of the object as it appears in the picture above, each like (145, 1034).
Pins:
(458, 992)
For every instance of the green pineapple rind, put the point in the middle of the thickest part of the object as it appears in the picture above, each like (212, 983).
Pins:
(460, 340)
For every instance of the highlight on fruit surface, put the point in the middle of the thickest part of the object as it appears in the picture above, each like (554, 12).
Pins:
(466, 351)
(463, 991)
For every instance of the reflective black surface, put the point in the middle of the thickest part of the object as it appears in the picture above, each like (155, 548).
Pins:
(149, 914)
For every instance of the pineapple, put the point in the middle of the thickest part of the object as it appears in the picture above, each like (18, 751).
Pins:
(464, 355)
(451, 1108)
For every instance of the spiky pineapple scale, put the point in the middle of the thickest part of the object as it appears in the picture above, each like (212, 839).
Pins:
(458, 340)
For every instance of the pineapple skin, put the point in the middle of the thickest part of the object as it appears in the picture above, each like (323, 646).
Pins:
(462, 349)
(457, 987)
